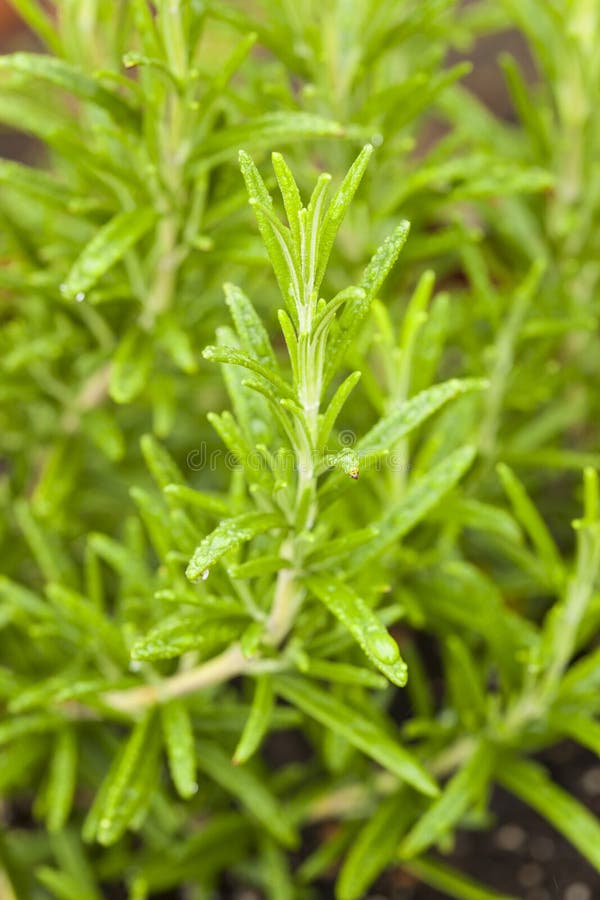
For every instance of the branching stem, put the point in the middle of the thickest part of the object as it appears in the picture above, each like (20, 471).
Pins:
(227, 665)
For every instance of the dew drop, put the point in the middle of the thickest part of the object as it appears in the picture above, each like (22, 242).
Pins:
(64, 290)
(385, 649)
(205, 575)
(80, 296)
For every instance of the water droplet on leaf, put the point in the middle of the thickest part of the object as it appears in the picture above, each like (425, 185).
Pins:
(385, 649)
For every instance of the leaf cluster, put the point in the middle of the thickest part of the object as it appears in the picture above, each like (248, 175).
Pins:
(260, 437)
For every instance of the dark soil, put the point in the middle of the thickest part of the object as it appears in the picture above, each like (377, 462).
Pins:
(522, 855)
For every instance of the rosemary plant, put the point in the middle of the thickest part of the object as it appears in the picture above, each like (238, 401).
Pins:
(294, 644)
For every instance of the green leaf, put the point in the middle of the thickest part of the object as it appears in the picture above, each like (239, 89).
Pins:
(154, 516)
(564, 620)
(228, 535)
(249, 327)
(178, 345)
(273, 234)
(464, 681)
(275, 872)
(364, 734)
(179, 741)
(102, 428)
(21, 598)
(231, 435)
(531, 520)
(61, 780)
(529, 781)
(35, 182)
(257, 722)
(56, 480)
(410, 414)
(310, 225)
(325, 856)
(45, 549)
(480, 516)
(463, 789)
(350, 322)
(338, 209)
(98, 628)
(248, 789)
(261, 565)
(210, 503)
(384, 260)
(265, 131)
(530, 113)
(420, 498)
(340, 673)
(374, 847)
(128, 785)
(34, 117)
(332, 552)
(182, 633)
(335, 407)
(290, 339)
(131, 366)
(458, 595)
(363, 625)
(163, 467)
(232, 356)
(450, 882)
(289, 193)
(63, 885)
(582, 679)
(578, 726)
(106, 248)
(36, 66)
(250, 411)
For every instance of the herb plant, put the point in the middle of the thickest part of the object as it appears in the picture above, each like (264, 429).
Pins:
(298, 648)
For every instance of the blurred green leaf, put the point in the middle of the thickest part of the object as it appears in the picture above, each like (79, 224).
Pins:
(361, 732)
(179, 741)
(257, 723)
(463, 789)
(374, 847)
(248, 789)
(107, 248)
(529, 781)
